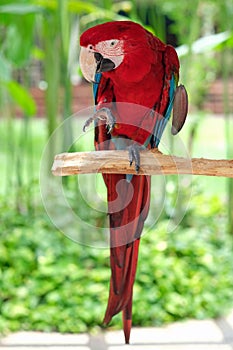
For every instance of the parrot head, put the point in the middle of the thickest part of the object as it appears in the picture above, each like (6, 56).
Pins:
(105, 47)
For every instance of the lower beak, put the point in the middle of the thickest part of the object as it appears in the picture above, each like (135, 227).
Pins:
(103, 64)
(92, 63)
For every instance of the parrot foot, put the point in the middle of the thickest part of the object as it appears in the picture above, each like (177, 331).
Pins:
(102, 114)
(134, 155)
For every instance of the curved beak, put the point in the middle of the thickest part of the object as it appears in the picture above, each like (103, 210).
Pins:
(92, 63)
(88, 64)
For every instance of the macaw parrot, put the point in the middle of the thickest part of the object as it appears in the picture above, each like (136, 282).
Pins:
(135, 84)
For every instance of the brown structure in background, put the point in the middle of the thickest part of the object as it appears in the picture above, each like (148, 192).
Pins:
(82, 98)
(214, 102)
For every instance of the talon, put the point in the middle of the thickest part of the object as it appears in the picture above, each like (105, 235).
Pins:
(134, 155)
(102, 114)
(109, 117)
(137, 168)
(87, 123)
(131, 157)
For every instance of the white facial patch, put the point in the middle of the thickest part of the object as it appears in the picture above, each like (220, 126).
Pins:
(111, 49)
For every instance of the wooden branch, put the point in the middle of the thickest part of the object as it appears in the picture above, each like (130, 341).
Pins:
(152, 163)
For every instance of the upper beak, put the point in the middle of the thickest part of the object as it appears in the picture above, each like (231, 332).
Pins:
(92, 63)
(87, 64)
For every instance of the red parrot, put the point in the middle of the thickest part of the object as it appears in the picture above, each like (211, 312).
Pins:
(135, 77)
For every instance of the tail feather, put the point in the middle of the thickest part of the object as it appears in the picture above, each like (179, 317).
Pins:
(128, 207)
(119, 251)
(119, 301)
(130, 277)
(117, 270)
(127, 319)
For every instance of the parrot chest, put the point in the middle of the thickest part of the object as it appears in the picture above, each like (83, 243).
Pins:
(134, 108)
(146, 92)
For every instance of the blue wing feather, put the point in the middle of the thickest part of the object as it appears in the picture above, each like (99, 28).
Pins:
(161, 124)
(96, 85)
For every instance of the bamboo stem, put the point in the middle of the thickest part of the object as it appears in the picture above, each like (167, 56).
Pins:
(152, 163)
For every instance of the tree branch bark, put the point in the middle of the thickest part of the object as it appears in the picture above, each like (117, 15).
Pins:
(152, 163)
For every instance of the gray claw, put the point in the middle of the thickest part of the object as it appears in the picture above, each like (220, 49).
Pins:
(106, 114)
(134, 155)
(102, 114)
(87, 123)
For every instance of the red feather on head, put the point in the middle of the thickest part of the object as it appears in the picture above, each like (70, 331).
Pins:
(141, 49)
(121, 30)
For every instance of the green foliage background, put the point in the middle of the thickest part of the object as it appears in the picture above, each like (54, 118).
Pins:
(50, 283)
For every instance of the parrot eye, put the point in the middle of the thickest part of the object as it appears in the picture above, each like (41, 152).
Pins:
(90, 47)
(111, 43)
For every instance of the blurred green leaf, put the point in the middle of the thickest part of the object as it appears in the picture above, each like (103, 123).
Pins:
(19, 40)
(74, 6)
(22, 97)
(82, 7)
(38, 54)
(5, 69)
(19, 9)
(204, 44)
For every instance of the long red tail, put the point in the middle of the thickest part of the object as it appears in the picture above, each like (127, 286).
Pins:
(128, 205)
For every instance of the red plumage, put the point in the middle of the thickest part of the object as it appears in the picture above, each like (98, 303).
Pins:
(142, 79)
